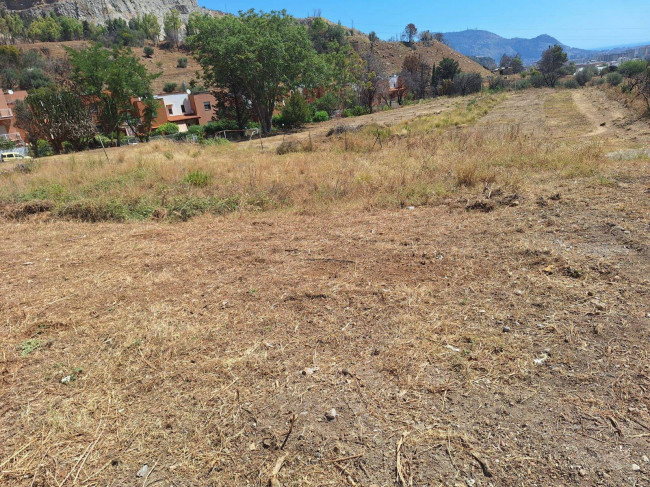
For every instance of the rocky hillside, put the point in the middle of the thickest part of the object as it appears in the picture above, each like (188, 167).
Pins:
(99, 11)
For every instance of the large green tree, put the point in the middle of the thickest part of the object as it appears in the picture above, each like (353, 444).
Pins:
(150, 26)
(258, 56)
(57, 116)
(109, 79)
(553, 59)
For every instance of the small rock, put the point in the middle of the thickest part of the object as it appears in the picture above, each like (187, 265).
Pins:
(506, 329)
(331, 415)
(452, 348)
(635, 467)
(309, 371)
(66, 380)
(410, 207)
(519, 292)
(266, 443)
(541, 360)
(645, 459)
(582, 472)
(598, 305)
(143, 471)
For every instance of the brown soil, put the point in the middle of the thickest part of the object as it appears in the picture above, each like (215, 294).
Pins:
(501, 344)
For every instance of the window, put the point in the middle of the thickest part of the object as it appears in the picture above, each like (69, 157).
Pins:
(183, 108)
(206, 105)
(170, 110)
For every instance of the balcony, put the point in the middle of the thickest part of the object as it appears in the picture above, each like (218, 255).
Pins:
(13, 137)
(6, 113)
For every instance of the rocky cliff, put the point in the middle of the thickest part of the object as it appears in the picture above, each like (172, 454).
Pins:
(99, 11)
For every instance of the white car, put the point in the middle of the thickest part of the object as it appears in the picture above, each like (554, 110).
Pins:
(12, 156)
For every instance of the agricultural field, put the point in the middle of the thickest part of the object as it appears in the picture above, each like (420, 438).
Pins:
(454, 293)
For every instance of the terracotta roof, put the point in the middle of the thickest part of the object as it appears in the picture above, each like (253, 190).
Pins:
(181, 118)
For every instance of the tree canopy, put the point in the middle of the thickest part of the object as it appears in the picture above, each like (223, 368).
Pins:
(553, 59)
(262, 56)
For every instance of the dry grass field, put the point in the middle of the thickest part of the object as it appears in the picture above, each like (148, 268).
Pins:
(465, 304)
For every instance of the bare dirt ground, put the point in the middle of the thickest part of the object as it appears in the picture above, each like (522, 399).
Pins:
(456, 347)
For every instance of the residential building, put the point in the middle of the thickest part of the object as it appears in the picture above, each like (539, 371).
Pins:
(8, 129)
(183, 109)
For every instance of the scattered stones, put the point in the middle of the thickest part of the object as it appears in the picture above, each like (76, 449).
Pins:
(143, 471)
(66, 380)
(635, 467)
(309, 371)
(452, 348)
(331, 415)
(506, 329)
(582, 472)
(645, 459)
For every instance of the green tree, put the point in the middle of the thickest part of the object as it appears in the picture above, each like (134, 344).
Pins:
(550, 66)
(109, 79)
(148, 51)
(516, 64)
(71, 29)
(57, 116)
(256, 55)
(447, 69)
(172, 25)
(296, 111)
(372, 37)
(45, 29)
(151, 27)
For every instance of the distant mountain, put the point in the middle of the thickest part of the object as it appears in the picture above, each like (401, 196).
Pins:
(481, 43)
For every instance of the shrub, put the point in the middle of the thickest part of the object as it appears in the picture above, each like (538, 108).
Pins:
(148, 51)
(522, 84)
(321, 116)
(614, 79)
(170, 87)
(67, 147)
(497, 83)
(289, 146)
(360, 110)
(168, 128)
(197, 130)
(200, 179)
(182, 62)
(43, 148)
(584, 76)
(296, 111)
(571, 84)
(327, 103)
(210, 129)
(537, 80)
(467, 83)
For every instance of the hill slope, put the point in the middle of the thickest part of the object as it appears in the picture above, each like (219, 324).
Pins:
(392, 54)
(484, 43)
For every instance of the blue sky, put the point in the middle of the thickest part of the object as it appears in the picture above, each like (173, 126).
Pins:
(578, 23)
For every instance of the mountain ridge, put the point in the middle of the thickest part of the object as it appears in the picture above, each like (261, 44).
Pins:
(483, 43)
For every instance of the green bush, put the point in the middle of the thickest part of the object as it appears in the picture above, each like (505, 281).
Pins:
(614, 79)
(170, 87)
(571, 84)
(168, 128)
(321, 116)
(43, 148)
(200, 179)
(522, 84)
(329, 103)
(296, 112)
(67, 147)
(210, 129)
(497, 83)
(537, 80)
(148, 51)
(198, 130)
(277, 121)
(182, 62)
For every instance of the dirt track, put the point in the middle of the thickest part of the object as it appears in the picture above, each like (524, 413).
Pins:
(457, 347)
